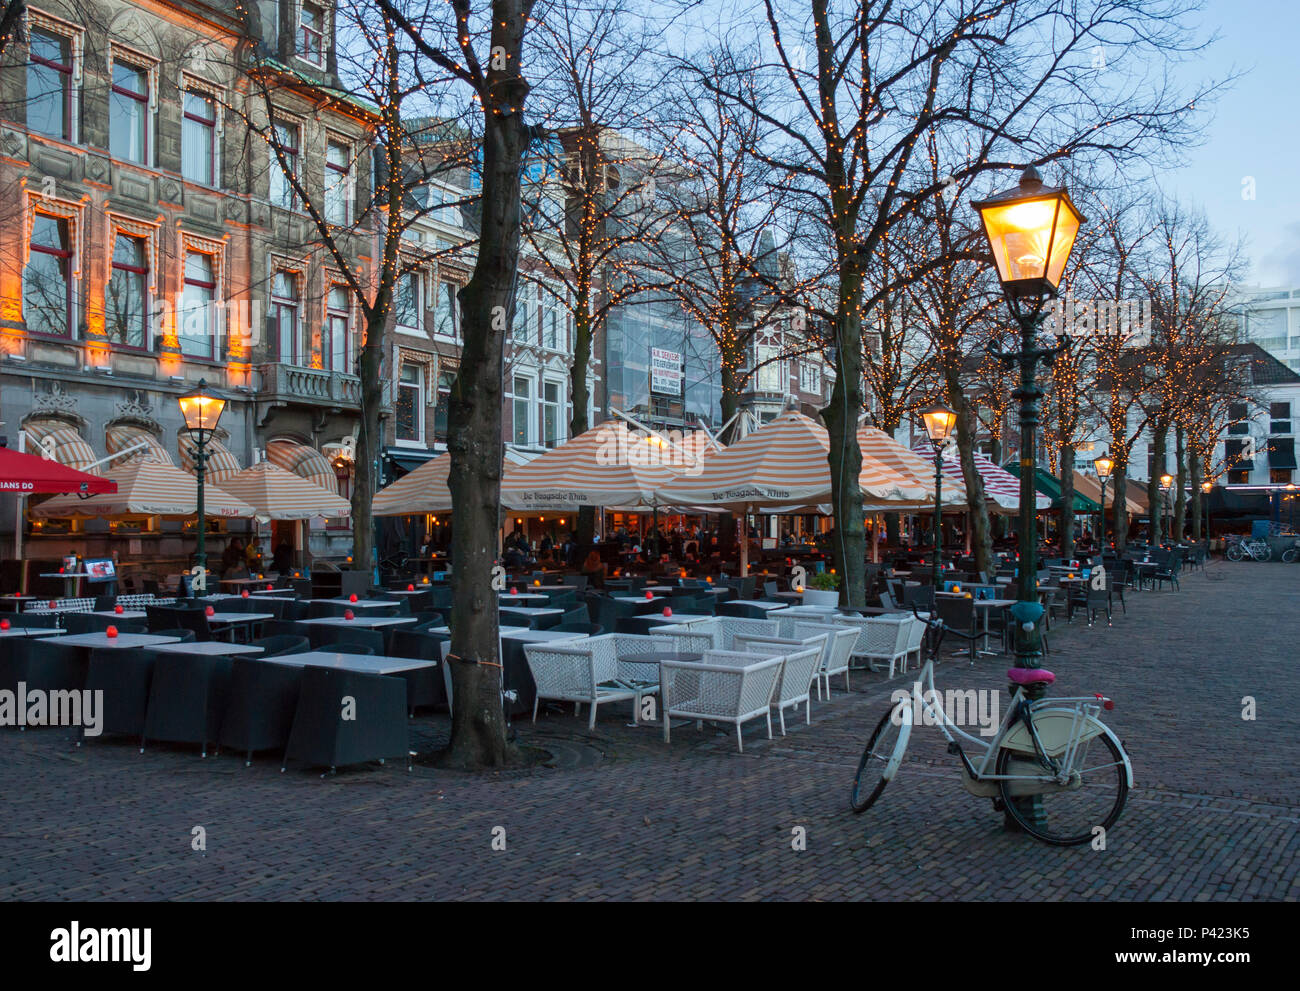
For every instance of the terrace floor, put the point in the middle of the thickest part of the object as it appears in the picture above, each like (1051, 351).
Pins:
(618, 815)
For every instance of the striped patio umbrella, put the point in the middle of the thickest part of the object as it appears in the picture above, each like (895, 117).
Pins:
(1001, 488)
(609, 465)
(916, 465)
(277, 494)
(782, 465)
(146, 488)
(423, 490)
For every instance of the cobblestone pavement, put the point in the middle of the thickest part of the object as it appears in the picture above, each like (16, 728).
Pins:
(617, 815)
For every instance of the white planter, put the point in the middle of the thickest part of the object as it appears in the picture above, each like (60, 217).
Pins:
(818, 597)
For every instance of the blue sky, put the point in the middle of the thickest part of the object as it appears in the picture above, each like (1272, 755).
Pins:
(1255, 133)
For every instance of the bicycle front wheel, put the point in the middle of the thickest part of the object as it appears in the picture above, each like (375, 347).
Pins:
(1266, 553)
(1233, 553)
(1066, 815)
(881, 758)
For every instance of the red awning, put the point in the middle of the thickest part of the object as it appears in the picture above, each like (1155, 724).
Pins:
(25, 473)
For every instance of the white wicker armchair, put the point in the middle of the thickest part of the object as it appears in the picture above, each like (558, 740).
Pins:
(728, 687)
(803, 661)
(721, 630)
(591, 670)
(839, 650)
(885, 639)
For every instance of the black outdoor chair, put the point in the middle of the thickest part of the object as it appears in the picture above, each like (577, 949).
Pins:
(737, 607)
(1098, 600)
(590, 629)
(260, 706)
(44, 666)
(957, 613)
(320, 738)
(169, 617)
(578, 614)
(33, 620)
(424, 686)
(335, 637)
(253, 604)
(187, 699)
(295, 609)
(124, 676)
(280, 644)
(1168, 571)
(640, 625)
(285, 628)
(922, 597)
(348, 648)
(182, 636)
(104, 602)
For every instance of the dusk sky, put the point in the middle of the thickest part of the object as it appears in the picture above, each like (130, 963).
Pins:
(1254, 133)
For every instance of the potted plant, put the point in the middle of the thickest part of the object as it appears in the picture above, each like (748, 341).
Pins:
(824, 590)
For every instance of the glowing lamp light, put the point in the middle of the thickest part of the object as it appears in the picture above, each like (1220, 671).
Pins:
(111, 632)
(1104, 465)
(709, 579)
(426, 579)
(1166, 481)
(537, 583)
(939, 421)
(799, 588)
(1206, 487)
(201, 409)
(956, 588)
(1031, 230)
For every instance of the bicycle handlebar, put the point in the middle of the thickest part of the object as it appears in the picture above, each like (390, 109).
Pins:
(937, 624)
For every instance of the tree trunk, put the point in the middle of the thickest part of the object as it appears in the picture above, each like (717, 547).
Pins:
(370, 442)
(1066, 452)
(1180, 480)
(584, 529)
(841, 417)
(1154, 495)
(1198, 506)
(478, 730)
(981, 537)
(730, 406)
(1120, 509)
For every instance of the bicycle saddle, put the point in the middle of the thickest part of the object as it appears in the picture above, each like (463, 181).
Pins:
(1030, 676)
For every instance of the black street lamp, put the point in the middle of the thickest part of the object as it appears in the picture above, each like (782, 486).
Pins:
(939, 421)
(1167, 506)
(1105, 465)
(1206, 489)
(201, 409)
(1030, 230)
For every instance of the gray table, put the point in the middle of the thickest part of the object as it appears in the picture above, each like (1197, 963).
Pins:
(213, 648)
(362, 663)
(535, 611)
(119, 642)
(124, 614)
(34, 631)
(360, 603)
(521, 599)
(361, 622)
(679, 617)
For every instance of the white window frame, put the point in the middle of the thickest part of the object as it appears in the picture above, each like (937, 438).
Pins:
(808, 381)
(440, 285)
(530, 419)
(324, 34)
(273, 164)
(201, 87)
(560, 405)
(422, 383)
(347, 179)
(149, 66)
(296, 269)
(421, 280)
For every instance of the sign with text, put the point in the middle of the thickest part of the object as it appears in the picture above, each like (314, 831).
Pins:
(665, 372)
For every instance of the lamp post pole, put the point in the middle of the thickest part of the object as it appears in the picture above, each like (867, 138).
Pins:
(202, 410)
(1206, 489)
(1101, 530)
(936, 565)
(201, 553)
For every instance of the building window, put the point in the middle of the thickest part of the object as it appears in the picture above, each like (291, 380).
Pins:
(126, 301)
(128, 113)
(335, 347)
(442, 411)
(199, 139)
(767, 374)
(47, 279)
(810, 377)
(1280, 416)
(284, 314)
(552, 434)
(523, 394)
(444, 310)
(409, 409)
(198, 305)
(521, 331)
(311, 33)
(1238, 477)
(1238, 419)
(337, 186)
(1279, 476)
(550, 320)
(406, 302)
(282, 194)
(49, 85)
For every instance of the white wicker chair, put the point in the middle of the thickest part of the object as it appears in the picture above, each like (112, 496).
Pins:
(839, 650)
(590, 670)
(803, 661)
(885, 639)
(728, 687)
(915, 642)
(722, 631)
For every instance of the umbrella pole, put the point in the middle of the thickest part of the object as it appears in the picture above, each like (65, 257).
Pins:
(744, 544)
(18, 545)
(875, 538)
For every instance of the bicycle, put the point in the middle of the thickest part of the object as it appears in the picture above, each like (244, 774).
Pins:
(1040, 751)
(1239, 549)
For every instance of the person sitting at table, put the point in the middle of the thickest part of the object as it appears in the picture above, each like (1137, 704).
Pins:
(282, 562)
(232, 559)
(595, 569)
(252, 556)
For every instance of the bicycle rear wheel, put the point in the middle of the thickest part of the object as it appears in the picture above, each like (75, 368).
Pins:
(881, 758)
(1233, 553)
(1067, 816)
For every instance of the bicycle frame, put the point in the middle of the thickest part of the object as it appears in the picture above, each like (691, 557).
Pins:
(1051, 732)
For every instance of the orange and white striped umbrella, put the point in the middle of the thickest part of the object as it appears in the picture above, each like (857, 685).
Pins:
(277, 494)
(912, 465)
(782, 464)
(608, 465)
(147, 488)
(423, 490)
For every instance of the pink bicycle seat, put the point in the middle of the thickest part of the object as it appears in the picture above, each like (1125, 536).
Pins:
(1030, 676)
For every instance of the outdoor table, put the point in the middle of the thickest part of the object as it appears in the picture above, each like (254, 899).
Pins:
(361, 622)
(70, 579)
(766, 606)
(792, 596)
(1144, 570)
(212, 648)
(515, 673)
(986, 606)
(681, 617)
(230, 620)
(405, 591)
(120, 642)
(637, 598)
(360, 603)
(246, 581)
(534, 611)
(521, 600)
(124, 614)
(361, 663)
(274, 591)
(14, 603)
(35, 631)
(535, 616)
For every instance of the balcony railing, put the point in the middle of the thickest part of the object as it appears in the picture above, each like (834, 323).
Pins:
(310, 386)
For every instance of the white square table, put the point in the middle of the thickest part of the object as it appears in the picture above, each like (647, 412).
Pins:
(520, 598)
(32, 631)
(360, 603)
(535, 611)
(679, 617)
(765, 606)
(211, 648)
(361, 663)
(120, 642)
(124, 614)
